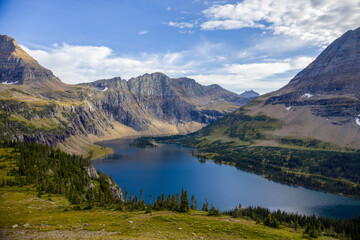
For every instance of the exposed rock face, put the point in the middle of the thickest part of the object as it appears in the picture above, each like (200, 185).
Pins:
(17, 67)
(116, 191)
(91, 172)
(156, 96)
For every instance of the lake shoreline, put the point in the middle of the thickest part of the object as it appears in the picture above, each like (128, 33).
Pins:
(143, 169)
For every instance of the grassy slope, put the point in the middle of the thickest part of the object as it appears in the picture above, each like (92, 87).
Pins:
(52, 217)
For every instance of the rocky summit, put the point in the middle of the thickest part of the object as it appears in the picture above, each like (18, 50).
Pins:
(322, 102)
(35, 106)
(17, 67)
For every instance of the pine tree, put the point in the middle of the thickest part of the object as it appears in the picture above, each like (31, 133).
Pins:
(126, 194)
(193, 203)
(184, 204)
(205, 206)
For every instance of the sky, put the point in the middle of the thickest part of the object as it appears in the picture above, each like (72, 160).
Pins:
(240, 45)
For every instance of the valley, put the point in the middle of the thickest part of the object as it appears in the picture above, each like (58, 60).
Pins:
(305, 134)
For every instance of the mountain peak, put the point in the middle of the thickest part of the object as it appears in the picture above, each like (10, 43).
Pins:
(250, 94)
(18, 67)
(335, 71)
(9, 48)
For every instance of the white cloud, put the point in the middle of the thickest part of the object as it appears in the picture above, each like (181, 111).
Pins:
(313, 20)
(205, 63)
(181, 25)
(76, 64)
(143, 32)
(263, 77)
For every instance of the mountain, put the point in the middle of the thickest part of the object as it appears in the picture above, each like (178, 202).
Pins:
(35, 106)
(141, 100)
(306, 133)
(17, 67)
(249, 94)
(322, 102)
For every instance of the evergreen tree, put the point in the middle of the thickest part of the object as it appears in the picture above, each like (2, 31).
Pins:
(205, 206)
(184, 204)
(193, 203)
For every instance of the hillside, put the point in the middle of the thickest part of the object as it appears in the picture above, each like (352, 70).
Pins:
(306, 133)
(321, 102)
(35, 106)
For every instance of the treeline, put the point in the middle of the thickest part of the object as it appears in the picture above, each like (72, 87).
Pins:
(175, 202)
(311, 225)
(51, 170)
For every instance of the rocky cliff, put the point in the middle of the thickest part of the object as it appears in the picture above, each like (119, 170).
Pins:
(139, 101)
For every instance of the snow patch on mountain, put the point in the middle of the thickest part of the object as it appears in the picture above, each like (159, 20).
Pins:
(6, 82)
(306, 95)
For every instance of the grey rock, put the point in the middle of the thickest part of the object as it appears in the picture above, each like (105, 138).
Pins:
(91, 172)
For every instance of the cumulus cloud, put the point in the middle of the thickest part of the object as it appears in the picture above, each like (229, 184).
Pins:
(313, 20)
(77, 64)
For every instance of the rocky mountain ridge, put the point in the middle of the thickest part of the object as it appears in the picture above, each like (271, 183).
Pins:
(35, 106)
(156, 96)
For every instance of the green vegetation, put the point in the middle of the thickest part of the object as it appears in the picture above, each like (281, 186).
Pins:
(143, 142)
(53, 171)
(45, 190)
(304, 162)
(308, 143)
(335, 172)
(249, 128)
(52, 216)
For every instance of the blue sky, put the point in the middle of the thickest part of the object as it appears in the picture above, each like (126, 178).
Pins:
(240, 45)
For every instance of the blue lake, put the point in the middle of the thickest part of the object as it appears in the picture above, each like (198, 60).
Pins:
(169, 168)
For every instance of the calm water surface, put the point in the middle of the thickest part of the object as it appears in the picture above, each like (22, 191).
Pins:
(168, 168)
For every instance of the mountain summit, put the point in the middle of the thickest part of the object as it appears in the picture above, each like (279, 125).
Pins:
(321, 103)
(18, 67)
(335, 71)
